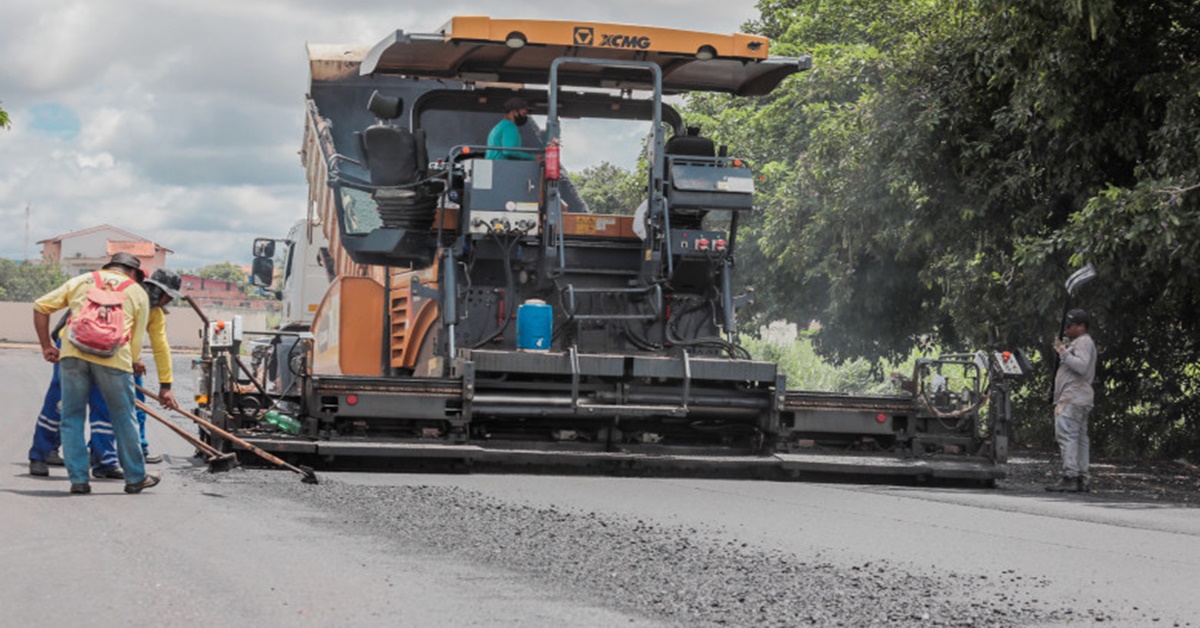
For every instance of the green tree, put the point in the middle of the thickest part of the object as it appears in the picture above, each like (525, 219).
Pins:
(4, 120)
(26, 281)
(223, 271)
(947, 164)
(610, 189)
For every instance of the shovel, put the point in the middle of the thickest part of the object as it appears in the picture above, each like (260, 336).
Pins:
(307, 475)
(1074, 283)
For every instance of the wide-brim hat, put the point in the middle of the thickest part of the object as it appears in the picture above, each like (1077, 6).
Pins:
(130, 261)
(166, 281)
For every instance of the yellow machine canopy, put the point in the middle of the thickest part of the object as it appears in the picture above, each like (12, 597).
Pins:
(521, 51)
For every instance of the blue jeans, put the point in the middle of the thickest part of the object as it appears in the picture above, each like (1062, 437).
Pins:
(116, 386)
(46, 438)
(141, 417)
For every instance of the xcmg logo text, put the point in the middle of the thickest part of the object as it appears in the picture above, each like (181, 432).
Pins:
(625, 41)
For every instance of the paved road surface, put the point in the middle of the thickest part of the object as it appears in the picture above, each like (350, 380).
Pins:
(180, 553)
(365, 549)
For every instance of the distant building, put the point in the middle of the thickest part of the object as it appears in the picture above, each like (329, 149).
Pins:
(224, 294)
(81, 251)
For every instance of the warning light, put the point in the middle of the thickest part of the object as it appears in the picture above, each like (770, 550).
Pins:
(737, 163)
(466, 150)
(881, 418)
(220, 325)
(351, 400)
(1007, 355)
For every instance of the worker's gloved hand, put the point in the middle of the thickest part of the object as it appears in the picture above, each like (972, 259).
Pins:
(139, 368)
(167, 399)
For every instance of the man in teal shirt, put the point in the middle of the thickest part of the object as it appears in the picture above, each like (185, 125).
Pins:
(507, 132)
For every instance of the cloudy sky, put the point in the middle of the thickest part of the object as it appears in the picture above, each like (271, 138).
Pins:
(181, 121)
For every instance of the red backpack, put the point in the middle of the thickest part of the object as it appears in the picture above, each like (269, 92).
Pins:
(99, 326)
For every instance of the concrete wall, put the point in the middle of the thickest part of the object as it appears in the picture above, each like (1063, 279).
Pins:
(183, 324)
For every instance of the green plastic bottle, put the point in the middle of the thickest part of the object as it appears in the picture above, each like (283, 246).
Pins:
(282, 421)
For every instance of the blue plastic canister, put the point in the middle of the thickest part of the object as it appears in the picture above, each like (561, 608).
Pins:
(535, 323)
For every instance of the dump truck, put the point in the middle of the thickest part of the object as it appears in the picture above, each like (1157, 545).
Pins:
(474, 312)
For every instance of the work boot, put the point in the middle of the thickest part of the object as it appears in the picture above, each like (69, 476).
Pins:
(38, 468)
(81, 489)
(53, 459)
(153, 458)
(1064, 485)
(114, 473)
(147, 482)
(1083, 485)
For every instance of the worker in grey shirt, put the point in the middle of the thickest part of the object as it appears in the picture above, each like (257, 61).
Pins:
(1073, 400)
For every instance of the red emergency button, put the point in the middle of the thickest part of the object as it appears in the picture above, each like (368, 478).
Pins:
(702, 244)
(719, 245)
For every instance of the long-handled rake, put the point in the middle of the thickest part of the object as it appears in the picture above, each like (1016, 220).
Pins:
(216, 460)
(308, 476)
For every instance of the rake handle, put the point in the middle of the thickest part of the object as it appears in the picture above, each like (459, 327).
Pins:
(234, 439)
(203, 446)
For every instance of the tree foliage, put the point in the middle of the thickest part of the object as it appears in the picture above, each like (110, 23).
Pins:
(948, 163)
(223, 271)
(5, 122)
(26, 281)
(610, 189)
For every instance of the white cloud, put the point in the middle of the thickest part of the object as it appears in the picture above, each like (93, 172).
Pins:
(191, 113)
(98, 161)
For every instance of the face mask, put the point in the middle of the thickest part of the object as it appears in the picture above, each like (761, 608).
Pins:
(521, 119)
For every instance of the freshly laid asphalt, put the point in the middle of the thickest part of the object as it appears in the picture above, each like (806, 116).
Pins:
(258, 546)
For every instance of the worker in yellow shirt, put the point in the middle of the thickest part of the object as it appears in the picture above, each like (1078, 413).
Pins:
(161, 288)
(103, 340)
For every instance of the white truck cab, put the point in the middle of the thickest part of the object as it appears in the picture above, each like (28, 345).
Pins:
(304, 272)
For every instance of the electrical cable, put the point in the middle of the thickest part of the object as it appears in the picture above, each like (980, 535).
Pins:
(510, 286)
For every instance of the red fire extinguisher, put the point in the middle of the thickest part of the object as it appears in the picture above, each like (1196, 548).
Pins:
(552, 170)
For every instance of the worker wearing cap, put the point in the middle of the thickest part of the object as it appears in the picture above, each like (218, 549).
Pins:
(113, 375)
(161, 287)
(1073, 400)
(507, 132)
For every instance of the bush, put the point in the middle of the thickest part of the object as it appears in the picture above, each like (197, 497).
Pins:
(26, 281)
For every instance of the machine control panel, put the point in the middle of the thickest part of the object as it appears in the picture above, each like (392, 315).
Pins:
(1011, 363)
(500, 185)
(698, 243)
(222, 334)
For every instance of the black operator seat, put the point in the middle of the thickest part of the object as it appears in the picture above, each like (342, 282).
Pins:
(698, 180)
(690, 144)
(397, 162)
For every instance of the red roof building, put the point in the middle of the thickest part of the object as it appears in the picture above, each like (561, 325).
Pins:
(78, 252)
(224, 294)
